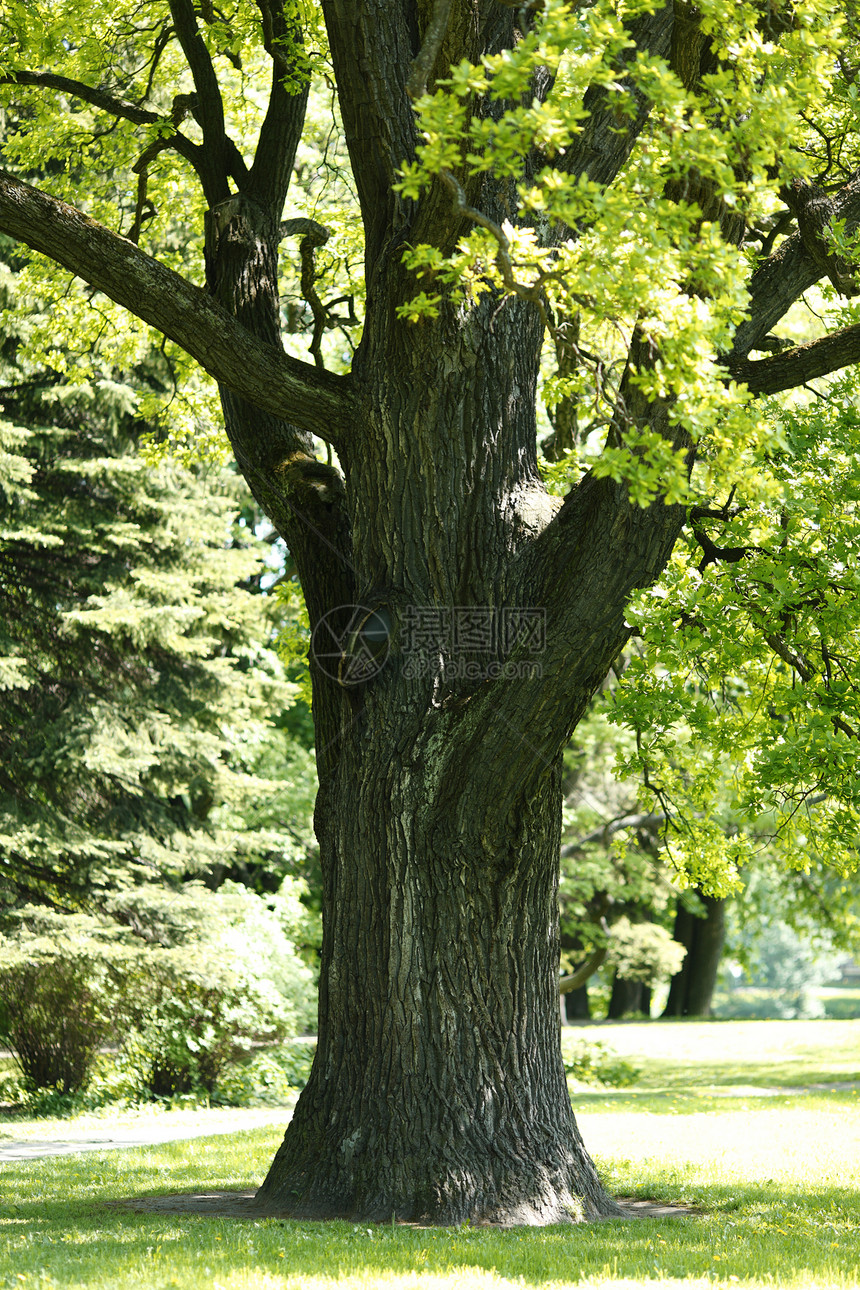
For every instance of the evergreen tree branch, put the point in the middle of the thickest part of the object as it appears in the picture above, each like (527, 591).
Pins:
(316, 400)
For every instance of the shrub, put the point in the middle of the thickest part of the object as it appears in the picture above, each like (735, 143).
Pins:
(189, 1013)
(594, 1063)
(267, 1078)
(57, 980)
(186, 981)
(763, 1004)
(219, 977)
(256, 935)
(643, 951)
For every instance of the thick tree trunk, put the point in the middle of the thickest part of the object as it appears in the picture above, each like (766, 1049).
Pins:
(438, 1092)
(692, 989)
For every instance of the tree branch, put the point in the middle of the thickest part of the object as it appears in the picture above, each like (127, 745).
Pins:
(192, 152)
(429, 51)
(372, 47)
(282, 125)
(792, 269)
(568, 983)
(649, 820)
(214, 168)
(794, 367)
(87, 93)
(606, 142)
(316, 400)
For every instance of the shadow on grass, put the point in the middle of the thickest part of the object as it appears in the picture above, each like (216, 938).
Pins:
(770, 1233)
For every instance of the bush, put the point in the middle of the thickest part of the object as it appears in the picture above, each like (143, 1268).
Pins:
(762, 1004)
(189, 1013)
(267, 1078)
(57, 983)
(643, 951)
(594, 1063)
(220, 977)
(841, 1006)
(186, 982)
(256, 935)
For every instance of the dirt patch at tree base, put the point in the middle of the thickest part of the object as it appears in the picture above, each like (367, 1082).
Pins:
(240, 1204)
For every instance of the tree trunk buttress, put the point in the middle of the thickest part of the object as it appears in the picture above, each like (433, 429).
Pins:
(438, 1092)
(692, 988)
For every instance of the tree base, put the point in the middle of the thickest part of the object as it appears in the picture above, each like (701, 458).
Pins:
(438, 1188)
(243, 1205)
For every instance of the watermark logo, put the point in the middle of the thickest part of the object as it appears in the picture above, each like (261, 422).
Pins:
(417, 666)
(351, 644)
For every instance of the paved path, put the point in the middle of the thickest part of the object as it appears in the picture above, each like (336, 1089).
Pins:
(145, 1134)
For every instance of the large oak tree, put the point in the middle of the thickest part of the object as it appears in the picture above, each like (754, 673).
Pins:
(637, 181)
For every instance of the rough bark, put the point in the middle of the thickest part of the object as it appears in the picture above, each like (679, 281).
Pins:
(789, 271)
(692, 988)
(801, 363)
(438, 1092)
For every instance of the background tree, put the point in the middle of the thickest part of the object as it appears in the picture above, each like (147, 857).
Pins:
(631, 167)
(138, 675)
(613, 875)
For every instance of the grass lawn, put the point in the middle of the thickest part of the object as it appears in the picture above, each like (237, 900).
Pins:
(715, 1121)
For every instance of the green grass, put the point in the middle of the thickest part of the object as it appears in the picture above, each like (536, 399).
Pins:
(775, 1174)
(727, 1054)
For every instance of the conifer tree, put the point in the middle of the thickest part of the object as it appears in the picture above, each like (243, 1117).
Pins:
(138, 674)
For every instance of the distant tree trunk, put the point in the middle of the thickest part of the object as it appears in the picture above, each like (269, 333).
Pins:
(692, 988)
(576, 1004)
(626, 997)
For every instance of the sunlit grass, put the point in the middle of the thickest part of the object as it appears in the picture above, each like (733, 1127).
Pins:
(716, 1053)
(110, 1121)
(776, 1178)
